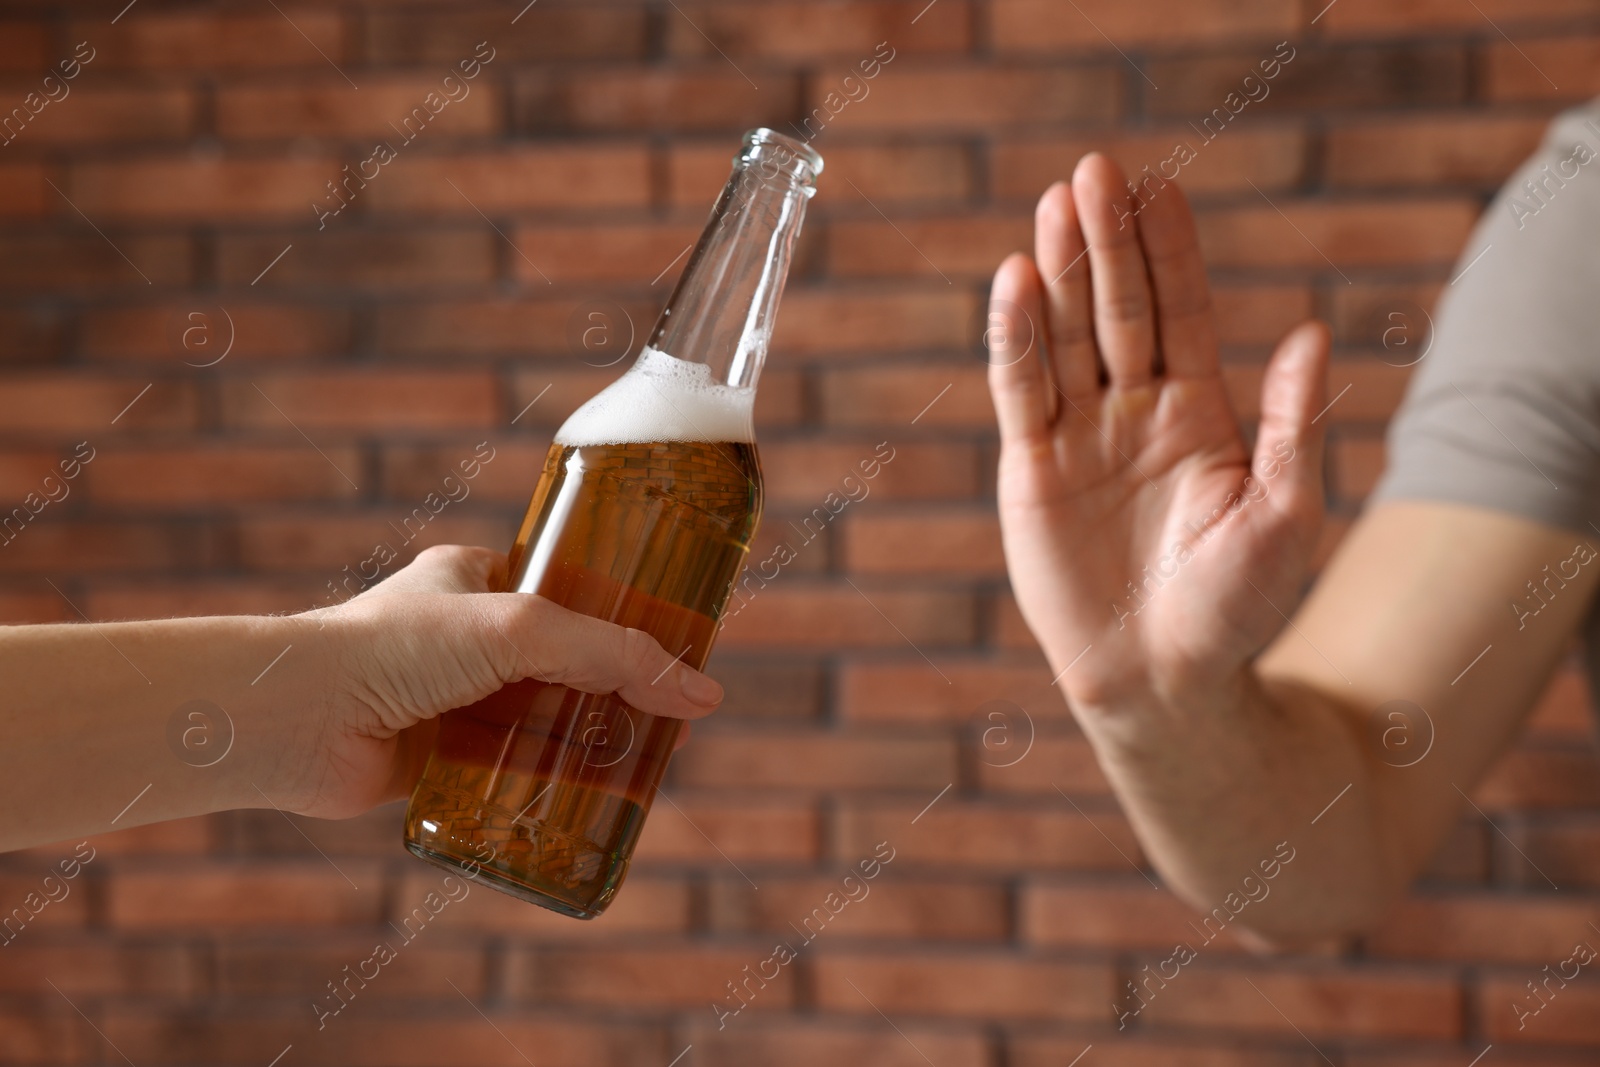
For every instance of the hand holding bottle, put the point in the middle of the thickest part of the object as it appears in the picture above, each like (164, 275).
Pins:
(326, 713)
(413, 647)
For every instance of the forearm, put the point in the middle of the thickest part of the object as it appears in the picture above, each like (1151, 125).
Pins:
(1221, 788)
(327, 713)
(98, 737)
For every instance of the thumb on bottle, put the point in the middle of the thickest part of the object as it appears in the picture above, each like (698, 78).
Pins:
(564, 647)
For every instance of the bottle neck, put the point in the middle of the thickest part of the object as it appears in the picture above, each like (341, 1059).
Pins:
(721, 313)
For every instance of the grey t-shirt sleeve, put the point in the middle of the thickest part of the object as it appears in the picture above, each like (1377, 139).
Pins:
(1504, 410)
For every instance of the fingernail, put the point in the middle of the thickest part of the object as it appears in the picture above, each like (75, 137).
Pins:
(699, 688)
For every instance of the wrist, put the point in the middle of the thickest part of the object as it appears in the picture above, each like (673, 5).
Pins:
(1153, 712)
(284, 707)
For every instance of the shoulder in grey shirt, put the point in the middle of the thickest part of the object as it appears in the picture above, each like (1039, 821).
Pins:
(1504, 411)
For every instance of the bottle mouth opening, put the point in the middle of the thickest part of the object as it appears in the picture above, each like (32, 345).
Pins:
(782, 153)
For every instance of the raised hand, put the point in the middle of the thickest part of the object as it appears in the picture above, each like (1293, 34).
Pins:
(1141, 533)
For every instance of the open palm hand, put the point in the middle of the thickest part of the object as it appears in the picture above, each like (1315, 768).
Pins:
(1150, 550)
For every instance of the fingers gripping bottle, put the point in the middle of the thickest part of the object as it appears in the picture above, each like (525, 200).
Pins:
(643, 516)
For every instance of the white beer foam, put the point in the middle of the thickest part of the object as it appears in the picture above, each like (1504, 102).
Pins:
(662, 398)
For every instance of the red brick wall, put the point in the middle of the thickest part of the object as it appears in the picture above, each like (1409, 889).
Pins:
(425, 317)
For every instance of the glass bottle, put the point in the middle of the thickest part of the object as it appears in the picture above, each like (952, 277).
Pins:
(643, 516)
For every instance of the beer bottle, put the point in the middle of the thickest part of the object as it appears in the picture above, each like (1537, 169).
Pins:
(643, 517)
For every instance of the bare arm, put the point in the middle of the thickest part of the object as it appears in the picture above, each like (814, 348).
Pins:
(1416, 592)
(114, 725)
(1144, 537)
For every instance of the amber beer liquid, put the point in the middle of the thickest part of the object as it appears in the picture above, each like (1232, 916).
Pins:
(643, 517)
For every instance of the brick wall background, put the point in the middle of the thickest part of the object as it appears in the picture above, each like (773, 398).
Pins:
(171, 191)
